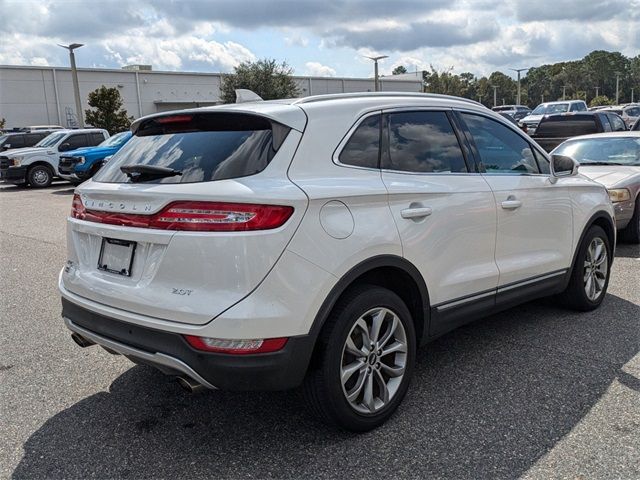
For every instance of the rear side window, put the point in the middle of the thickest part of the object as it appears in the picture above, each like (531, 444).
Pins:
(16, 141)
(606, 126)
(363, 148)
(96, 139)
(202, 147)
(567, 126)
(501, 150)
(423, 142)
(617, 124)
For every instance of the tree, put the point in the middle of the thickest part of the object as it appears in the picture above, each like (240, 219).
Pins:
(3, 122)
(268, 78)
(601, 100)
(399, 70)
(107, 110)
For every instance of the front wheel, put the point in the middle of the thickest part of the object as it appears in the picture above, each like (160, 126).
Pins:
(40, 176)
(365, 359)
(590, 276)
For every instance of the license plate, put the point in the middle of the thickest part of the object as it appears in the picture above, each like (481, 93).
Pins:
(116, 256)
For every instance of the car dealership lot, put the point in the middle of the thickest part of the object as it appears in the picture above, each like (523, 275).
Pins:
(535, 391)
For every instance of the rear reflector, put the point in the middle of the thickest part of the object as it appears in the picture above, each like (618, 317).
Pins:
(236, 347)
(194, 216)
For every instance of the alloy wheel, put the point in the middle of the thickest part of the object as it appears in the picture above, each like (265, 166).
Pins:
(595, 269)
(374, 359)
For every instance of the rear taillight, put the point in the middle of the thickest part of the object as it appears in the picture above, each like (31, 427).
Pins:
(194, 216)
(236, 347)
(77, 208)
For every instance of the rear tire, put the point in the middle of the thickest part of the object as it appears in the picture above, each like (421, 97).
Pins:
(631, 233)
(40, 176)
(364, 360)
(590, 276)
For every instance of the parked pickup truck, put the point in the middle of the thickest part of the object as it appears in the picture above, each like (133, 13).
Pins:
(82, 164)
(555, 129)
(37, 166)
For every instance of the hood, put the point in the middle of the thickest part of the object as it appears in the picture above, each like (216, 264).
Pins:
(532, 118)
(23, 151)
(92, 151)
(610, 176)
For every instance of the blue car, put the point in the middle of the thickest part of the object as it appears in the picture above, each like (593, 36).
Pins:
(81, 164)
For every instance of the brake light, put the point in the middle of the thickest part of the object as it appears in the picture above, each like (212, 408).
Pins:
(77, 208)
(174, 119)
(194, 216)
(236, 347)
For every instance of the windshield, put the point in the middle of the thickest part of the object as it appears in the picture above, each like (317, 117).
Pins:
(51, 139)
(3, 138)
(621, 150)
(117, 139)
(549, 109)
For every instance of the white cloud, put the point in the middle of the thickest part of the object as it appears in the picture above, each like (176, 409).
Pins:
(316, 69)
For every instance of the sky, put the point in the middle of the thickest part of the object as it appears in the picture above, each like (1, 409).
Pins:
(320, 38)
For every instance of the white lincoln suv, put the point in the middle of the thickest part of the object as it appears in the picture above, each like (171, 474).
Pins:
(320, 241)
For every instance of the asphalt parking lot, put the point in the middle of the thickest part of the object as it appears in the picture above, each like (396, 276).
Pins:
(534, 392)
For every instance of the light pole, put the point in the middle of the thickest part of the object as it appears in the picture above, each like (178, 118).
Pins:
(597, 90)
(632, 89)
(74, 77)
(518, 70)
(564, 92)
(375, 74)
(617, 88)
(495, 95)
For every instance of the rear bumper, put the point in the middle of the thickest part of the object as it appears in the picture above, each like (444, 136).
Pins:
(170, 353)
(14, 174)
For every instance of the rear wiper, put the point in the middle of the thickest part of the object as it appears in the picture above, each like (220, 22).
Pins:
(140, 173)
(602, 163)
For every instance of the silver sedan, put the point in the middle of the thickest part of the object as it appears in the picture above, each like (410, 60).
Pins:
(612, 159)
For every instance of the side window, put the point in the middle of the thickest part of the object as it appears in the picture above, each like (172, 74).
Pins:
(363, 148)
(423, 142)
(574, 107)
(501, 149)
(16, 141)
(543, 163)
(96, 139)
(78, 140)
(617, 124)
(606, 125)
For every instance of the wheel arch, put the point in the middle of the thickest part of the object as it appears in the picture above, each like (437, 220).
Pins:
(45, 163)
(389, 271)
(602, 219)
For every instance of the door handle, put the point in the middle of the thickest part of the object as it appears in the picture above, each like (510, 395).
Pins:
(511, 204)
(418, 212)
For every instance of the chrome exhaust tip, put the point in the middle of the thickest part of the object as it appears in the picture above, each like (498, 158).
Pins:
(189, 384)
(81, 341)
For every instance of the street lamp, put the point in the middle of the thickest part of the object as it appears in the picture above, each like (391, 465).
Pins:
(74, 77)
(518, 70)
(375, 75)
(495, 95)
(618, 88)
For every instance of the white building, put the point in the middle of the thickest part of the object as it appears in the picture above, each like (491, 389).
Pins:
(44, 95)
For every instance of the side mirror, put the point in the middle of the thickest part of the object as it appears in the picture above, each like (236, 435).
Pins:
(6, 146)
(65, 147)
(563, 166)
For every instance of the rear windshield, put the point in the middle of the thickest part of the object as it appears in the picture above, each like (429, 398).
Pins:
(568, 126)
(203, 147)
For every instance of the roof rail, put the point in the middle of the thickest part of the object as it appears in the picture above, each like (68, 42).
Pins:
(337, 96)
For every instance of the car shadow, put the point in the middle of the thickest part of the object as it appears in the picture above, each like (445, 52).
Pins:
(627, 250)
(66, 191)
(487, 400)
